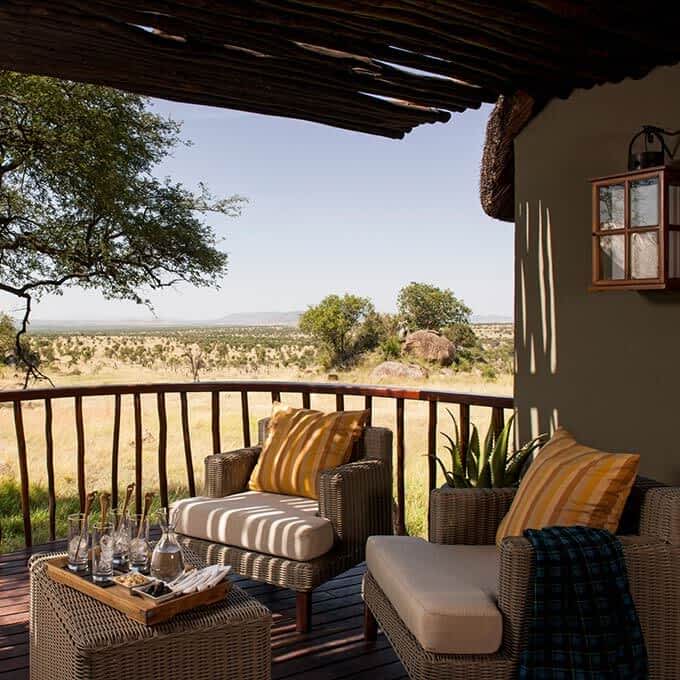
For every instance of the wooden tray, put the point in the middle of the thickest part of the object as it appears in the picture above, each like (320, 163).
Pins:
(133, 606)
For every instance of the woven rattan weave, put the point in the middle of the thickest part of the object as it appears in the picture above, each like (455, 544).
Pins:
(74, 637)
(471, 516)
(356, 498)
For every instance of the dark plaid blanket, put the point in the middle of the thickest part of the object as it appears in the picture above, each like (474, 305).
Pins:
(583, 624)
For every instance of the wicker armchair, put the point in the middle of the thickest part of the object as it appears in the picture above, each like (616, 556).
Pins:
(650, 534)
(356, 498)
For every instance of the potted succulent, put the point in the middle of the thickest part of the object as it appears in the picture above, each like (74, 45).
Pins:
(488, 464)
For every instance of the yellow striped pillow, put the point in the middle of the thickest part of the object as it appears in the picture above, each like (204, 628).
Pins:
(300, 444)
(570, 484)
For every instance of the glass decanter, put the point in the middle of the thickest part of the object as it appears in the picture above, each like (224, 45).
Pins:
(167, 561)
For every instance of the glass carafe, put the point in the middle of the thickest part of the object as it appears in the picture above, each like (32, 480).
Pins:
(167, 561)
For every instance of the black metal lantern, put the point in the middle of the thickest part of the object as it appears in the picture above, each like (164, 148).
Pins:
(650, 136)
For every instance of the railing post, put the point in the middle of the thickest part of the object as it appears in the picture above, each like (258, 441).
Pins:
(23, 473)
(339, 402)
(368, 405)
(498, 419)
(432, 446)
(215, 410)
(276, 396)
(80, 446)
(162, 449)
(464, 427)
(186, 436)
(401, 494)
(49, 460)
(245, 419)
(137, 404)
(115, 447)
(306, 400)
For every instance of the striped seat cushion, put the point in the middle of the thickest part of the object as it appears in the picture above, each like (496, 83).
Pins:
(302, 443)
(569, 484)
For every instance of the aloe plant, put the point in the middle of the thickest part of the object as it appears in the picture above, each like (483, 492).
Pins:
(487, 464)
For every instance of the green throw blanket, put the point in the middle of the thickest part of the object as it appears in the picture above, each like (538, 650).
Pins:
(583, 624)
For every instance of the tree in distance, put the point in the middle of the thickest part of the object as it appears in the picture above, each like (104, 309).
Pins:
(80, 205)
(345, 326)
(426, 307)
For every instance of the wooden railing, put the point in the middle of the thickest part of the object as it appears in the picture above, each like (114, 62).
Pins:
(400, 395)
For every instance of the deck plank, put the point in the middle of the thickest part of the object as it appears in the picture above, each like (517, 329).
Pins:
(334, 649)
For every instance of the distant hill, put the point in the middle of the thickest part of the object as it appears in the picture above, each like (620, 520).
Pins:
(235, 319)
(259, 319)
(491, 318)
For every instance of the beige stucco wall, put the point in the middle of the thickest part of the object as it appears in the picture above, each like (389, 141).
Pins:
(604, 365)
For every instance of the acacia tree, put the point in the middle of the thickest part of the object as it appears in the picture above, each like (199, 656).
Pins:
(80, 206)
(337, 323)
(427, 307)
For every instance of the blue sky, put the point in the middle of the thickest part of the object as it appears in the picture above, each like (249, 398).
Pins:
(330, 211)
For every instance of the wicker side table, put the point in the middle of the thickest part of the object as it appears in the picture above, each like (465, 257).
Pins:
(74, 637)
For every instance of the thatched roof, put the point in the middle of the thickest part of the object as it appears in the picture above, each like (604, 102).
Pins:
(497, 178)
(378, 66)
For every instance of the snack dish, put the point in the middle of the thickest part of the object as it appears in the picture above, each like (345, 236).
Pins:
(131, 580)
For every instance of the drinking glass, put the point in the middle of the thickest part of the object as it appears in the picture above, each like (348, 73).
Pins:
(102, 551)
(78, 542)
(121, 539)
(140, 550)
(167, 560)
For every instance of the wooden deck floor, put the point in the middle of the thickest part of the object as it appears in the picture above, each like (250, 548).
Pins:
(333, 649)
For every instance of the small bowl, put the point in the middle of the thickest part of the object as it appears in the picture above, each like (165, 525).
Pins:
(118, 581)
(138, 590)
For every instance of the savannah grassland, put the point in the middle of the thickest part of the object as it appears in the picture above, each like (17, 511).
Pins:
(227, 353)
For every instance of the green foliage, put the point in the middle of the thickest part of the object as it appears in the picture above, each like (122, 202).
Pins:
(80, 205)
(489, 373)
(489, 463)
(426, 307)
(462, 335)
(7, 337)
(391, 348)
(344, 326)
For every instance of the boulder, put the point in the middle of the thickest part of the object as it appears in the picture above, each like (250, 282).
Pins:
(395, 369)
(430, 346)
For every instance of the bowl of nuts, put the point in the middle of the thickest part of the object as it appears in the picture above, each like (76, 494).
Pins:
(132, 579)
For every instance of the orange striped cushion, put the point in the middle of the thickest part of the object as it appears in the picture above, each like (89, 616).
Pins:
(570, 484)
(300, 444)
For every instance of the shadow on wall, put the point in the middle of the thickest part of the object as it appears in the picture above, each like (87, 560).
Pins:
(536, 325)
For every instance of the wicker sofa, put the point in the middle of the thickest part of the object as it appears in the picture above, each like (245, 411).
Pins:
(488, 645)
(292, 542)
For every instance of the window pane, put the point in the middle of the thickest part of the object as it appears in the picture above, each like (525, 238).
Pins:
(644, 255)
(612, 207)
(644, 202)
(612, 257)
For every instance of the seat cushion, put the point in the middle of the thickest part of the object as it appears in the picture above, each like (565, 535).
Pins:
(300, 444)
(286, 526)
(569, 484)
(445, 594)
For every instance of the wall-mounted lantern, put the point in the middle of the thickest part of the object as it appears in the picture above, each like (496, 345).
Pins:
(636, 220)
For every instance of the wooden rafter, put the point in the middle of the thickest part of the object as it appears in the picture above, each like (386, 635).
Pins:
(377, 66)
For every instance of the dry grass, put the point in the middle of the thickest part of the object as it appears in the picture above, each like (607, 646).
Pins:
(98, 415)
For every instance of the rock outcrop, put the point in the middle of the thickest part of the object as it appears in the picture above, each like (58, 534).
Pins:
(395, 369)
(430, 346)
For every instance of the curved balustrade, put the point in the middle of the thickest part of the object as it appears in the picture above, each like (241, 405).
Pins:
(276, 388)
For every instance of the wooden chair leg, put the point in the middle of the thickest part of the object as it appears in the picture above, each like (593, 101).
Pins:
(303, 612)
(370, 625)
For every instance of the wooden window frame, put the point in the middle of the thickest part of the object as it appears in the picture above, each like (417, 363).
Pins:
(661, 174)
